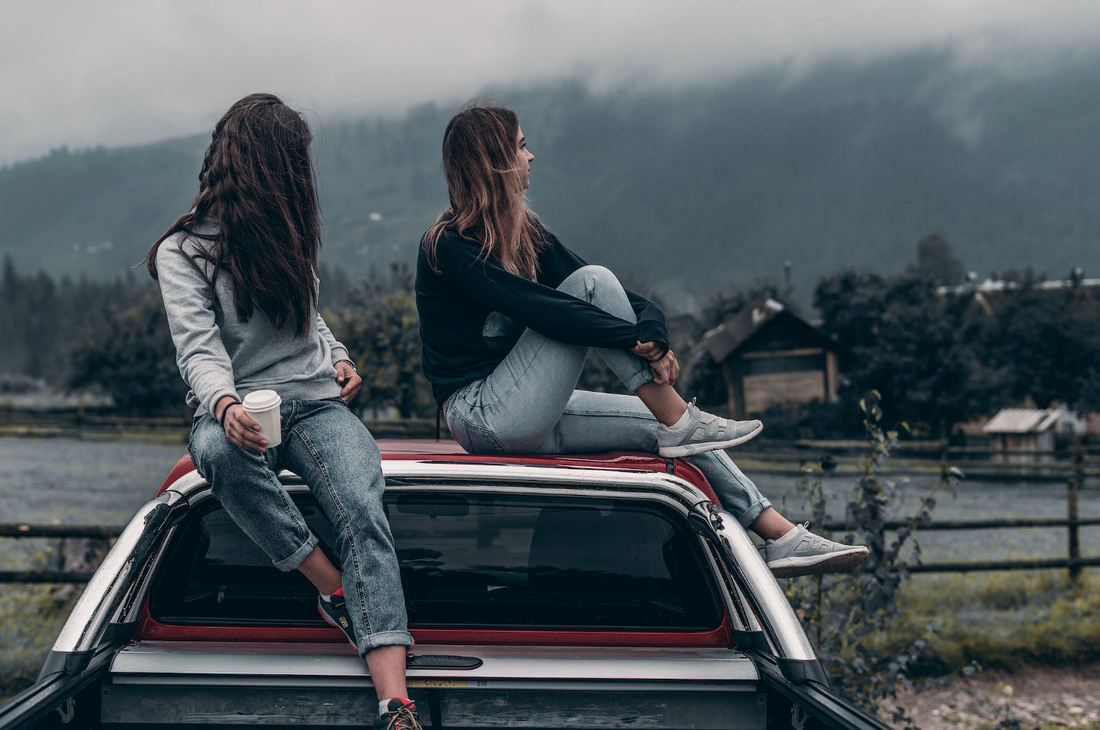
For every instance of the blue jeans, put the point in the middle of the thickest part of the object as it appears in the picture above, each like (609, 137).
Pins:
(331, 449)
(529, 404)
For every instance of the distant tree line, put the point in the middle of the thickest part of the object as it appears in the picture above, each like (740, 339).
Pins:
(938, 359)
(113, 337)
(43, 321)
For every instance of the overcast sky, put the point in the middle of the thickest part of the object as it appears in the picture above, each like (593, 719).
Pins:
(119, 72)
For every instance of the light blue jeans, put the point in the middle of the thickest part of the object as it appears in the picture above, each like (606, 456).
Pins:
(529, 404)
(329, 447)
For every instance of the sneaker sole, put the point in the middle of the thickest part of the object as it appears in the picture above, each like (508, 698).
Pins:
(817, 564)
(335, 625)
(672, 452)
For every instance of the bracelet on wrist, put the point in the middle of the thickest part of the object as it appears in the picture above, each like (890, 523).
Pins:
(221, 420)
(349, 362)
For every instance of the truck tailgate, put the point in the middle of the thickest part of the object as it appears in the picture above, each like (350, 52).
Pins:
(302, 685)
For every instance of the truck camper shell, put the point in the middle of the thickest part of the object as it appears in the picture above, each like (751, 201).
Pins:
(607, 588)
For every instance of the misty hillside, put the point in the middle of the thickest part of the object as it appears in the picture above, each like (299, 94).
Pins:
(685, 190)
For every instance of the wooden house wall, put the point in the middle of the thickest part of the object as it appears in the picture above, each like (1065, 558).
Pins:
(785, 363)
(782, 379)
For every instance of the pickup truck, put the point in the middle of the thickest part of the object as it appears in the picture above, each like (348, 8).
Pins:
(601, 591)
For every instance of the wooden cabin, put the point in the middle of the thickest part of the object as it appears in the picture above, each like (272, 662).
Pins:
(1021, 435)
(771, 356)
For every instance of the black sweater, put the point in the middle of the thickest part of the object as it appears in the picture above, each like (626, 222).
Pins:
(454, 304)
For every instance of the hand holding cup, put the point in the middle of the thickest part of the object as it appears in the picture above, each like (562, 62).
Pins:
(255, 424)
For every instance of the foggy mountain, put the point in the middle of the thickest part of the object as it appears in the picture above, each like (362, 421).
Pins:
(685, 190)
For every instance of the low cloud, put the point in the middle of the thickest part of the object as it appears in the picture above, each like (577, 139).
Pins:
(131, 71)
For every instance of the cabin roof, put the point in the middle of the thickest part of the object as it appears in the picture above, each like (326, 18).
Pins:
(742, 327)
(1022, 420)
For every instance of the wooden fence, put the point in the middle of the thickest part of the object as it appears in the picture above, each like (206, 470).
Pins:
(78, 424)
(1078, 467)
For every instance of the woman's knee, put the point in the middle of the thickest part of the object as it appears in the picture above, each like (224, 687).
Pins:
(589, 277)
(217, 459)
(598, 285)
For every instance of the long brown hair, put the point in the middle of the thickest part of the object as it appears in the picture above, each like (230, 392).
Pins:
(257, 184)
(485, 182)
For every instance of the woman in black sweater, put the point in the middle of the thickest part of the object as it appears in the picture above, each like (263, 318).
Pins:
(508, 314)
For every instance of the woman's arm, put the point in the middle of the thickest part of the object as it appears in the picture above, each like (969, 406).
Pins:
(561, 261)
(200, 354)
(339, 351)
(542, 308)
(346, 377)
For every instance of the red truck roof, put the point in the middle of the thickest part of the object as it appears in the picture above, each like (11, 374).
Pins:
(449, 450)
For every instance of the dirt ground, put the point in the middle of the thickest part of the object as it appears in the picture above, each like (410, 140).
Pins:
(1047, 698)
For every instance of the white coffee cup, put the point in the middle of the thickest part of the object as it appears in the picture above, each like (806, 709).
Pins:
(263, 406)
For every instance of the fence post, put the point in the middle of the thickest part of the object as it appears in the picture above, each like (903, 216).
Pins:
(1074, 484)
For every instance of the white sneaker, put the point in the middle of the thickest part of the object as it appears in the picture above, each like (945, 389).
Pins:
(801, 552)
(700, 431)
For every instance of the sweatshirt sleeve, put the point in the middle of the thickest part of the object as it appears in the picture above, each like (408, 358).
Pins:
(339, 351)
(200, 353)
(542, 308)
(563, 261)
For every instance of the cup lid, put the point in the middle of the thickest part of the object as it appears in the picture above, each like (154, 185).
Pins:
(261, 400)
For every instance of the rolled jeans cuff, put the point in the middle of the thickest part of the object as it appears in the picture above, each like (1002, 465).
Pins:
(385, 638)
(749, 516)
(639, 379)
(288, 564)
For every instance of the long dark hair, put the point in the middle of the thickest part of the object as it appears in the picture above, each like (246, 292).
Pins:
(256, 183)
(485, 184)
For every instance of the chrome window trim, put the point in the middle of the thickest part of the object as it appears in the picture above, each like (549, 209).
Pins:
(740, 616)
(751, 574)
(131, 607)
(114, 579)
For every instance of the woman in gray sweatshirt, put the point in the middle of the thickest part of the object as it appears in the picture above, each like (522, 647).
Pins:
(238, 278)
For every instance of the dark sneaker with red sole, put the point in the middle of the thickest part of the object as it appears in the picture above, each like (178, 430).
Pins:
(335, 613)
(400, 714)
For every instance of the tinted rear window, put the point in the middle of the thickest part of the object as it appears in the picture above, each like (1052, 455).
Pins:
(475, 561)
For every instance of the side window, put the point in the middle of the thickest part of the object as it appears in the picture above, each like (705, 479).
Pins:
(215, 573)
(471, 561)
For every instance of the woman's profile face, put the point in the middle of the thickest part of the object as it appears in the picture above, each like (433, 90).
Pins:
(523, 158)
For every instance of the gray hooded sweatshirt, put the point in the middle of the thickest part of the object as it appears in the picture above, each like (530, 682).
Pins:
(220, 355)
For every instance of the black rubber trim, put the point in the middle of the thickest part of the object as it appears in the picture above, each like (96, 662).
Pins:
(751, 640)
(122, 633)
(442, 661)
(65, 662)
(32, 705)
(801, 671)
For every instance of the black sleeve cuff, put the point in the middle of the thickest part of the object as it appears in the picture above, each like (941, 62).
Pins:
(652, 331)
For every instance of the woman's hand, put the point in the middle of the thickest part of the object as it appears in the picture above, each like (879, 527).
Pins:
(349, 379)
(651, 351)
(240, 428)
(665, 370)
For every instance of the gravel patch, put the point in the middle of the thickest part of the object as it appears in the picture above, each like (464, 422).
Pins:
(1037, 697)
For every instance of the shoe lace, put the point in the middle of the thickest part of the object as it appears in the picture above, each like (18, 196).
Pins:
(403, 718)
